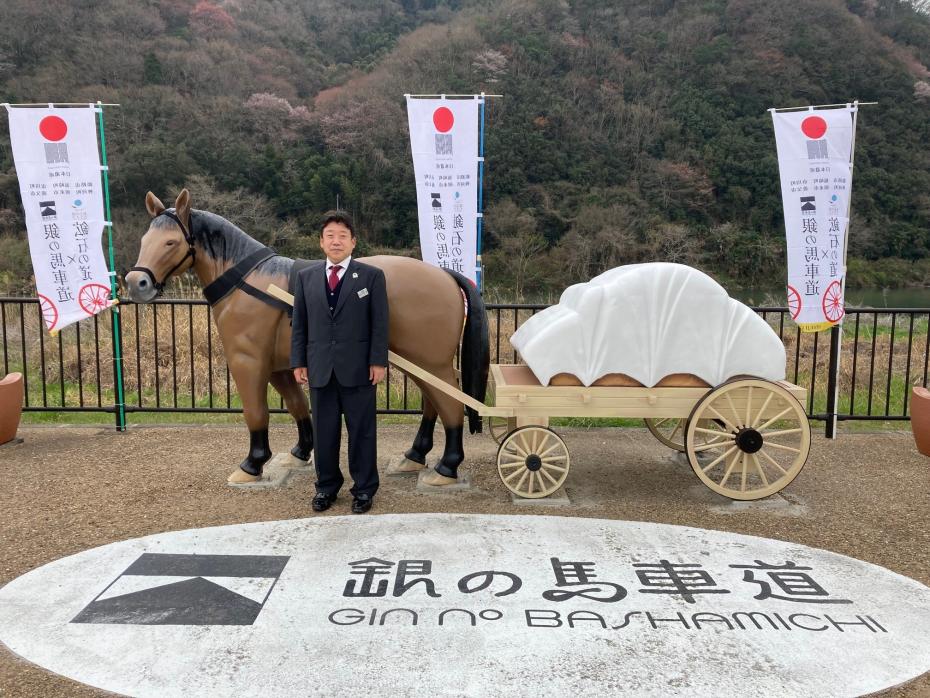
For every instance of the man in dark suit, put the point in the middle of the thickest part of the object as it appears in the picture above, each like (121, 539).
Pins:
(339, 345)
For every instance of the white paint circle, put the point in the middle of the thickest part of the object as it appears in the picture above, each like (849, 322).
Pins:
(841, 626)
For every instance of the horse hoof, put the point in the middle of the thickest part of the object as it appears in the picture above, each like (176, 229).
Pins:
(402, 464)
(303, 456)
(286, 460)
(240, 477)
(296, 462)
(434, 479)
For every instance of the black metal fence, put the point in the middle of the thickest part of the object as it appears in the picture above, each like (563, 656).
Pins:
(172, 360)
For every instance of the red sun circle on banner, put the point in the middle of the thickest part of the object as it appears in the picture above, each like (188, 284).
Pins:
(443, 119)
(814, 127)
(53, 128)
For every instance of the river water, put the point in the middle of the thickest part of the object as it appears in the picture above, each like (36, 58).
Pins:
(855, 297)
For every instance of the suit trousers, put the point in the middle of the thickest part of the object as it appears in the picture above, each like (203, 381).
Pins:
(357, 404)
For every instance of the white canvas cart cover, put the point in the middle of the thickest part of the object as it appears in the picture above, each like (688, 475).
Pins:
(649, 321)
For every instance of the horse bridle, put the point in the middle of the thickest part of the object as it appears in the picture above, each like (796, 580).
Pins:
(191, 252)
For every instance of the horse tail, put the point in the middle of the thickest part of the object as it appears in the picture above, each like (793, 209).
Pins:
(476, 349)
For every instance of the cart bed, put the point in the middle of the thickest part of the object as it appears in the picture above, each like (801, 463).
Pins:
(517, 388)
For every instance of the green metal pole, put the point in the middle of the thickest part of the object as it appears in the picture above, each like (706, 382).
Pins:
(116, 324)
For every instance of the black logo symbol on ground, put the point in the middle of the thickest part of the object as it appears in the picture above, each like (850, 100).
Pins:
(159, 589)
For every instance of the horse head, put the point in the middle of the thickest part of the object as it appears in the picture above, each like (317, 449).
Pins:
(167, 248)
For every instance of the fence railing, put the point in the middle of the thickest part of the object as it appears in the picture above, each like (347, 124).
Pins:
(172, 360)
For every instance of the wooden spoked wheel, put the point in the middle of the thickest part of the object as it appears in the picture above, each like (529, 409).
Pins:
(497, 428)
(533, 462)
(759, 439)
(671, 431)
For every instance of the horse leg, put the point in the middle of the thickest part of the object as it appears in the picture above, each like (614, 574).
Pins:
(414, 459)
(445, 472)
(423, 441)
(452, 414)
(252, 383)
(298, 407)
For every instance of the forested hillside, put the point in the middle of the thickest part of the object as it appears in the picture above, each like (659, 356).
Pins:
(628, 131)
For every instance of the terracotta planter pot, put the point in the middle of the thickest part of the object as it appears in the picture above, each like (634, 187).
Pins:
(11, 406)
(920, 418)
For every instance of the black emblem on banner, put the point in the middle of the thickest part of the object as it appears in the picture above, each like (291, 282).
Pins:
(48, 210)
(160, 589)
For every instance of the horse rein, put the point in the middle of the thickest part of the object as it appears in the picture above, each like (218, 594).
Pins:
(191, 252)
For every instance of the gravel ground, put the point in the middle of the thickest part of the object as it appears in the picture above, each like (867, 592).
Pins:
(68, 489)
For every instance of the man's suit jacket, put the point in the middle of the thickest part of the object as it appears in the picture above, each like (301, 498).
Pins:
(348, 340)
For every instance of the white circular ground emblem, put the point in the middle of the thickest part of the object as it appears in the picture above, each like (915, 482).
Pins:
(468, 605)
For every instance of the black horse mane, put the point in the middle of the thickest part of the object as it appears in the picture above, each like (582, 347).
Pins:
(221, 240)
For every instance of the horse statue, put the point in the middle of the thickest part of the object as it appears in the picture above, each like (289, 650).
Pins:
(430, 311)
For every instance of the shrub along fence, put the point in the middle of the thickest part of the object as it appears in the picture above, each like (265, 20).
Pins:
(172, 361)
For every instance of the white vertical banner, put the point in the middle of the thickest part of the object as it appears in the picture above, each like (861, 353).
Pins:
(444, 143)
(815, 165)
(58, 165)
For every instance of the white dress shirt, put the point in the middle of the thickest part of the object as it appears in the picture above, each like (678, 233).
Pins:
(344, 264)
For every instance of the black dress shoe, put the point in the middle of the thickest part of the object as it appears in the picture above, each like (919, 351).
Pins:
(362, 503)
(322, 501)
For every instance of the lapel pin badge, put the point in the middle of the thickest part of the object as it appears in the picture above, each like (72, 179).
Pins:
(354, 275)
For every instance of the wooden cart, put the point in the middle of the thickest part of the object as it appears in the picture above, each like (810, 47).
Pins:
(745, 439)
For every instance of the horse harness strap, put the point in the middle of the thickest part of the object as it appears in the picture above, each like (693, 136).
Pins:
(270, 300)
(298, 265)
(234, 278)
(191, 252)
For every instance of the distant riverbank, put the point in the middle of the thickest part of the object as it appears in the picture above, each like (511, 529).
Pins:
(855, 297)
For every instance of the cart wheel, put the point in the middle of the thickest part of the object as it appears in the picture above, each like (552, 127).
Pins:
(497, 428)
(671, 431)
(759, 439)
(532, 462)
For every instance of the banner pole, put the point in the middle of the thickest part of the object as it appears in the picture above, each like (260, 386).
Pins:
(446, 95)
(56, 104)
(821, 106)
(479, 270)
(115, 317)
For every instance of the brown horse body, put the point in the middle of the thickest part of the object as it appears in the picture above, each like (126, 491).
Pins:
(427, 316)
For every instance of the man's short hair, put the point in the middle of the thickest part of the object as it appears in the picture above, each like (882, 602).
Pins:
(337, 216)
